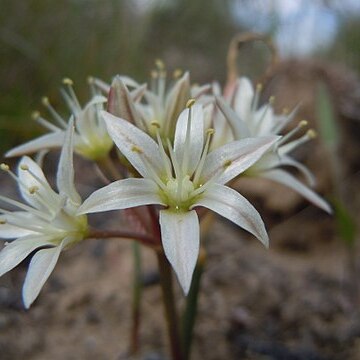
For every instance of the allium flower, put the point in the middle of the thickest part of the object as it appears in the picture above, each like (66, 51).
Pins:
(91, 139)
(48, 222)
(182, 177)
(247, 120)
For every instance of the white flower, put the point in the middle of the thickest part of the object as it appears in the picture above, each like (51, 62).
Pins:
(91, 139)
(247, 120)
(48, 223)
(186, 178)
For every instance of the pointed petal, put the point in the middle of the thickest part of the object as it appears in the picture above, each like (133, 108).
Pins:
(233, 206)
(16, 251)
(180, 235)
(193, 148)
(290, 181)
(65, 172)
(28, 181)
(238, 126)
(41, 266)
(230, 160)
(176, 101)
(243, 98)
(122, 194)
(52, 140)
(135, 145)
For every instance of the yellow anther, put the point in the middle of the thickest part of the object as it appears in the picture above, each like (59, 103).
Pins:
(285, 111)
(24, 167)
(45, 100)
(67, 81)
(259, 87)
(177, 73)
(271, 100)
(35, 115)
(90, 80)
(210, 131)
(136, 149)
(4, 167)
(33, 189)
(156, 124)
(190, 103)
(227, 163)
(2, 221)
(303, 123)
(154, 74)
(159, 64)
(311, 134)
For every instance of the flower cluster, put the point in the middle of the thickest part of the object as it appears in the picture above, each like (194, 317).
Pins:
(181, 147)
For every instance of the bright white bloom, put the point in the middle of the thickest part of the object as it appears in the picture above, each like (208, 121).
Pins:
(247, 120)
(182, 177)
(91, 138)
(47, 223)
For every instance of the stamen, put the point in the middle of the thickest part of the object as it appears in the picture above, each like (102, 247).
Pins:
(163, 155)
(291, 133)
(209, 132)
(69, 84)
(255, 102)
(177, 73)
(310, 134)
(4, 167)
(46, 124)
(173, 160)
(190, 103)
(159, 64)
(45, 101)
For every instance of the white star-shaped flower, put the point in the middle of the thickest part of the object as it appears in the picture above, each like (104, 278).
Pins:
(48, 222)
(181, 177)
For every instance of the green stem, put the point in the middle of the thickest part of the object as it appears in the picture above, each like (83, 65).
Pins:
(136, 298)
(169, 305)
(189, 315)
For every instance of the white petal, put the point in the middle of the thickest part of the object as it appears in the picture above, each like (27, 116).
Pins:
(28, 181)
(8, 231)
(176, 101)
(41, 266)
(238, 126)
(65, 172)
(230, 160)
(52, 140)
(244, 98)
(122, 194)
(233, 206)
(15, 252)
(180, 235)
(195, 144)
(290, 181)
(136, 145)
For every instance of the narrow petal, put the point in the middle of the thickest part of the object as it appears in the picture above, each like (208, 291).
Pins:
(65, 172)
(8, 231)
(233, 206)
(230, 160)
(238, 126)
(35, 178)
(180, 235)
(138, 147)
(176, 101)
(120, 102)
(15, 252)
(52, 140)
(290, 181)
(122, 194)
(190, 146)
(41, 266)
(243, 98)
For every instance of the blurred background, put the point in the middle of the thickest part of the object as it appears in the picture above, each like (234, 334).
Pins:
(42, 41)
(300, 300)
